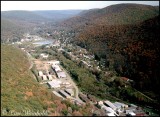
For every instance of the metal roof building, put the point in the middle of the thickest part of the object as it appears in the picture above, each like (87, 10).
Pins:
(107, 109)
(61, 75)
(57, 94)
(54, 83)
(70, 91)
(64, 94)
(108, 103)
(56, 68)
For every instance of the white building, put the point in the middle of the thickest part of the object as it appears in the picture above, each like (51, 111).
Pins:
(107, 109)
(56, 68)
(49, 77)
(110, 104)
(44, 77)
(45, 56)
(61, 75)
(120, 105)
(40, 73)
(54, 83)
(111, 114)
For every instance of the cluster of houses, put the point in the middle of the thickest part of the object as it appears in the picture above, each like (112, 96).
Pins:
(120, 109)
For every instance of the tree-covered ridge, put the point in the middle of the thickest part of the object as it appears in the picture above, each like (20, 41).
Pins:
(112, 15)
(22, 15)
(11, 30)
(130, 50)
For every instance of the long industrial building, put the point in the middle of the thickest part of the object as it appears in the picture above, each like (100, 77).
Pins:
(64, 94)
(108, 103)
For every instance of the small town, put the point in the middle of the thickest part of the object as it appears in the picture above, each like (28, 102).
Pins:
(80, 58)
(51, 74)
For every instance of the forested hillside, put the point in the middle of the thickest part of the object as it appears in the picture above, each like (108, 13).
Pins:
(112, 15)
(11, 30)
(127, 37)
(131, 50)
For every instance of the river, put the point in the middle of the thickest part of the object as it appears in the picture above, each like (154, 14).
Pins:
(43, 42)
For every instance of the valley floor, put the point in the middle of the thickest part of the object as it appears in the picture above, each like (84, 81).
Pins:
(62, 84)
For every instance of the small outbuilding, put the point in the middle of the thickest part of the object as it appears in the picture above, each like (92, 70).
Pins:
(44, 77)
(49, 77)
(40, 73)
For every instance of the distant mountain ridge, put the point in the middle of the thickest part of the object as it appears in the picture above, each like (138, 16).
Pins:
(39, 15)
(57, 14)
(21, 15)
(113, 15)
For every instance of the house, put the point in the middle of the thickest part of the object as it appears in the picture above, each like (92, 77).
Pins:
(49, 77)
(70, 92)
(64, 94)
(110, 104)
(44, 77)
(61, 75)
(40, 73)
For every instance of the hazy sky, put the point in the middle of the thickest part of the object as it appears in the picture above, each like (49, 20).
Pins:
(62, 5)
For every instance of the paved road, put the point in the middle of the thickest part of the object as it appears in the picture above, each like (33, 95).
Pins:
(30, 59)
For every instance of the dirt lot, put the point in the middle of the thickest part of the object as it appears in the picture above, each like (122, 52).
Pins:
(42, 65)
